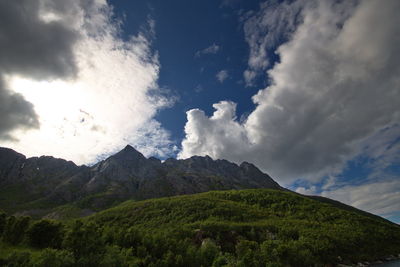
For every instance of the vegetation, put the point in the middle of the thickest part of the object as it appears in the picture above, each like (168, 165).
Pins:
(257, 227)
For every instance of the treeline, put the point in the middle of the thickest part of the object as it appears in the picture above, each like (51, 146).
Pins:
(88, 244)
(234, 228)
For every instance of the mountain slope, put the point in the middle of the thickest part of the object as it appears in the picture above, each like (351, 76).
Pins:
(43, 186)
(254, 227)
(25, 180)
(281, 226)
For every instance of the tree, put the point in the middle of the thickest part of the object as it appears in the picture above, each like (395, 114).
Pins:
(116, 256)
(3, 219)
(15, 229)
(84, 240)
(247, 252)
(45, 234)
(209, 252)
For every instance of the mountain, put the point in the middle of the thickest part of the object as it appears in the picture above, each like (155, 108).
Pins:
(139, 211)
(41, 186)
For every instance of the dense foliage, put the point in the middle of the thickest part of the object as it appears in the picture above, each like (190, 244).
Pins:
(226, 228)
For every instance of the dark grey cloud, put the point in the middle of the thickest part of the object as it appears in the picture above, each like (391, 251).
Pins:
(15, 112)
(33, 46)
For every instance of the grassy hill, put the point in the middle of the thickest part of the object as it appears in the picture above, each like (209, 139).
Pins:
(256, 227)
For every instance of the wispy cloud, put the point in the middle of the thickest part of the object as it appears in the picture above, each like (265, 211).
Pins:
(222, 75)
(264, 30)
(213, 49)
(198, 88)
(381, 197)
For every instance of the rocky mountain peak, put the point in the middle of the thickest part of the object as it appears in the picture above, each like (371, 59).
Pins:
(10, 162)
(7, 153)
(125, 175)
(129, 153)
(128, 157)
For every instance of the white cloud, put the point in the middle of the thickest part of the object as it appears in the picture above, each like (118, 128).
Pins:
(336, 85)
(212, 49)
(306, 191)
(222, 75)
(112, 100)
(212, 136)
(381, 198)
(265, 29)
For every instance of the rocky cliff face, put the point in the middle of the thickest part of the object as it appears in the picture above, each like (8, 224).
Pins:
(47, 182)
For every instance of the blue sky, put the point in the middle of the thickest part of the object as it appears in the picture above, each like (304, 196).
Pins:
(184, 31)
(306, 90)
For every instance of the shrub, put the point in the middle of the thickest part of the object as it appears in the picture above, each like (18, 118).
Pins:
(53, 258)
(18, 258)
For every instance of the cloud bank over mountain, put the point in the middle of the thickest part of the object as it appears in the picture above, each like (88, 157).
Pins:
(336, 86)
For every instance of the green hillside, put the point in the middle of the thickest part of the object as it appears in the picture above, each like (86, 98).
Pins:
(257, 227)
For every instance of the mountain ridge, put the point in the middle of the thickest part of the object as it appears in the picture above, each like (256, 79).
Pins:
(37, 185)
(139, 211)
(55, 188)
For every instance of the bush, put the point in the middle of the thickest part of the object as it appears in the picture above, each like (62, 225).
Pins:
(116, 256)
(53, 258)
(18, 258)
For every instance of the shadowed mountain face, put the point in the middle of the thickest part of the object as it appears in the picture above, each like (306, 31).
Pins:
(36, 185)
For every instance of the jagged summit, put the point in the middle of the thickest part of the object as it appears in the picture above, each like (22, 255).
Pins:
(129, 153)
(127, 174)
(129, 147)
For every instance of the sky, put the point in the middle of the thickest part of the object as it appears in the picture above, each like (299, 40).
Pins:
(308, 91)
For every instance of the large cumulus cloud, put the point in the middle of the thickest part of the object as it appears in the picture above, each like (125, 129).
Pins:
(336, 85)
